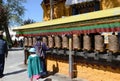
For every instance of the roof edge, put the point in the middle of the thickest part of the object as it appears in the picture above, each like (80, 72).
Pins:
(81, 17)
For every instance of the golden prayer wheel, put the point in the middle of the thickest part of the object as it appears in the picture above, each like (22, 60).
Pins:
(65, 42)
(76, 42)
(50, 42)
(87, 43)
(34, 41)
(44, 39)
(113, 44)
(99, 43)
(30, 41)
(58, 42)
(26, 41)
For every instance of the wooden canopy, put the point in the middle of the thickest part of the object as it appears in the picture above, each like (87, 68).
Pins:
(99, 21)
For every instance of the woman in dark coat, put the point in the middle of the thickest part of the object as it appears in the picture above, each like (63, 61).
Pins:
(3, 53)
(41, 49)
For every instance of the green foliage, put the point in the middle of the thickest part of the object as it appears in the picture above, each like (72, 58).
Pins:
(3, 16)
(28, 21)
(15, 11)
(11, 12)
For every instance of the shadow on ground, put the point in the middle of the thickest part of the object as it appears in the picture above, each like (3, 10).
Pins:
(48, 79)
(15, 72)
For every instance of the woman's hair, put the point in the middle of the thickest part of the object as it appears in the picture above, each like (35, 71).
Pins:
(32, 52)
(39, 38)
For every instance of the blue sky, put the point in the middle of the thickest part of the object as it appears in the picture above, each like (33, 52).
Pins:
(33, 10)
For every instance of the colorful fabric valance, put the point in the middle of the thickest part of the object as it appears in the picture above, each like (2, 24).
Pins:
(110, 27)
(99, 21)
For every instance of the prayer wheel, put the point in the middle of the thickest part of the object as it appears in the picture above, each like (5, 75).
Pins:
(76, 42)
(34, 41)
(65, 42)
(58, 42)
(26, 41)
(30, 41)
(87, 43)
(45, 40)
(50, 42)
(99, 43)
(113, 44)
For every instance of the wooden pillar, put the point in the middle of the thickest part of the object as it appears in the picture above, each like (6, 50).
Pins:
(51, 9)
(70, 58)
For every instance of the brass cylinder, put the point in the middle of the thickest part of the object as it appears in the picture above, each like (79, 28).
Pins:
(76, 42)
(50, 42)
(34, 41)
(45, 40)
(86, 43)
(113, 44)
(99, 43)
(26, 42)
(30, 41)
(58, 42)
(65, 42)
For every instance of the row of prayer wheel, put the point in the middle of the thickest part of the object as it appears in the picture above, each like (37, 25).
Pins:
(80, 42)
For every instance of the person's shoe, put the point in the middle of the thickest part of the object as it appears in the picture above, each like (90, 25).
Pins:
(44, 74)
(1, 75)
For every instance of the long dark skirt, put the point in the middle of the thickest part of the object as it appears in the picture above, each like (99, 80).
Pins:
(2, 62)
(43, 66)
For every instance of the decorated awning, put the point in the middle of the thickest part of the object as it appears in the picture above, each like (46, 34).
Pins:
(94, 22)
(111, 27)
(71, 2)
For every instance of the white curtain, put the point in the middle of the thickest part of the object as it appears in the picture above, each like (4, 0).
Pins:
(71, 2)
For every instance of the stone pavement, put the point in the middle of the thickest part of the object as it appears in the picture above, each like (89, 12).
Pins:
(15, 70)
